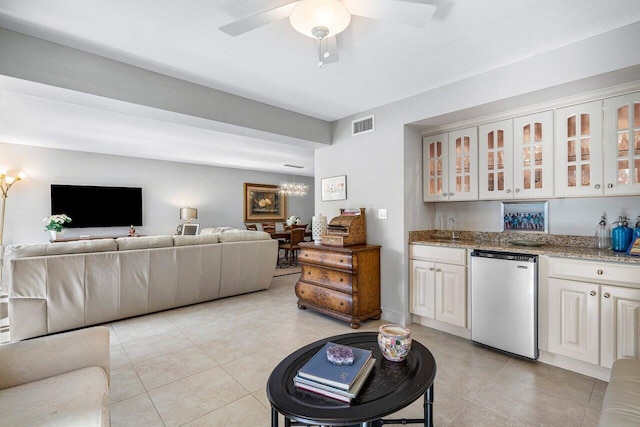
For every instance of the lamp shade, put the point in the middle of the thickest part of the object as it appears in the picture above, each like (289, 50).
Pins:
(310, 14)
(188, 213)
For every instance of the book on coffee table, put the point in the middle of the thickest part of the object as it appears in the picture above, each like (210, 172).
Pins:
(320, 370)
(333, 392)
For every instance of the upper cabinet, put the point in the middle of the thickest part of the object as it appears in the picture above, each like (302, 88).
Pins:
(516, 158)
(622, 144)
(450, 166)
(578, 150)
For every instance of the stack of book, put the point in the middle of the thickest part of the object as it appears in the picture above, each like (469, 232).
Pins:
(341, 382)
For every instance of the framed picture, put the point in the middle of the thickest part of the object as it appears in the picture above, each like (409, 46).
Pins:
(634, 247)
(334, 188)
(262, 203)
(190, 229)
(527, 217)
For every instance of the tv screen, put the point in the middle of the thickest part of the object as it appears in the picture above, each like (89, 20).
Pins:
(92, 206)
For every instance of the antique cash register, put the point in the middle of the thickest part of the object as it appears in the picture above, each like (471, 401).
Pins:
(350, 228)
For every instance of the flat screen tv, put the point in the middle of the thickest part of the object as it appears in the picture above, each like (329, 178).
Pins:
(93, 206)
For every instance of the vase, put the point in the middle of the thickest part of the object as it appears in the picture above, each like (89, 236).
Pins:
(318, 228)
(394, 342)
(55, 235)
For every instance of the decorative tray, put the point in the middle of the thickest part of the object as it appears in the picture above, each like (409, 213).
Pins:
(526, 243)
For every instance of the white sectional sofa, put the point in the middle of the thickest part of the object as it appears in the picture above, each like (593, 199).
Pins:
(62, 286)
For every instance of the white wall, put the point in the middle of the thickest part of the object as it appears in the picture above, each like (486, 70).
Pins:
(576, 217)
(216, 192)
(382, 166)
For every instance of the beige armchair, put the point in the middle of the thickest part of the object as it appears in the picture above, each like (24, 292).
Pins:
(60, 380)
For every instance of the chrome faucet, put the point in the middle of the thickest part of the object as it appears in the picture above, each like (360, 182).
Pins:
(454, 236)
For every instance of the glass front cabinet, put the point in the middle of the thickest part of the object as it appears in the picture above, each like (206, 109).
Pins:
(578, 150)
(622, 144)
(450, 166)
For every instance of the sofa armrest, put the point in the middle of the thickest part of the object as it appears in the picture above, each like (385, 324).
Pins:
(26, 361)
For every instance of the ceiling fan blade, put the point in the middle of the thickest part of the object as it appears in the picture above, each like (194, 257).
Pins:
(328, 51)
(256, 21)
(403, 12)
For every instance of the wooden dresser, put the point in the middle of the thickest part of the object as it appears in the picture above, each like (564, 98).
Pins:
(343, 282)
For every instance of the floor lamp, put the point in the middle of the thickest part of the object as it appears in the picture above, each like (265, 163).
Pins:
(5, 184)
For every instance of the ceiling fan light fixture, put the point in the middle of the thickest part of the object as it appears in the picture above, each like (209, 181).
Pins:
(311, 14)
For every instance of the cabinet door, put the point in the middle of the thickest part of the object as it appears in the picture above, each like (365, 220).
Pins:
(533, 155)
(422, 288)
(622, 144)
(578, 150)
(495, 160)
(574, 319)
(435, 185)
(620, 333)
(463, 164)
(451, 292)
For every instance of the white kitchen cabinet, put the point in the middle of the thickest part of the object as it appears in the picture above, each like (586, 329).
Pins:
(438, 289)
(620, 334)
(450, 163)
(593, 310)
(533, 156)
(579, 150)
(622, 144)
(516, 158)
(574, 319)
(495, 164)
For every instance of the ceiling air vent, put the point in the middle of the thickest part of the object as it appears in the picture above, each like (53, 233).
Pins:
(360, 126)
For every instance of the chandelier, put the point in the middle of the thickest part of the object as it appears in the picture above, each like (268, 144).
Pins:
(293, 188)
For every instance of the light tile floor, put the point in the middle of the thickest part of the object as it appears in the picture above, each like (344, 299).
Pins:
(208, 364)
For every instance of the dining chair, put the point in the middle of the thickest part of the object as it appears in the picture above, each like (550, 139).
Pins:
(251, 227)
(269, 229)
(292, 246)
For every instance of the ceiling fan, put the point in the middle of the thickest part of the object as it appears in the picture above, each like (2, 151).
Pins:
(324, 19)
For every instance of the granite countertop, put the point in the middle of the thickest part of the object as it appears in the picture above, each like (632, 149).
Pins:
(579, 247)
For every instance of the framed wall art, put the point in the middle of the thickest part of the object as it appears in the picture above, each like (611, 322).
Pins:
(262, 202)
(190, 229)
(529, 217)
(334, 188)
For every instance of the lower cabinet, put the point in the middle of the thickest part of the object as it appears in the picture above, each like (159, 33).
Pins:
(438, 290)
(594, 322)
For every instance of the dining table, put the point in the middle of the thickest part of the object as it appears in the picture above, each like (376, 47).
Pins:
(286, 234)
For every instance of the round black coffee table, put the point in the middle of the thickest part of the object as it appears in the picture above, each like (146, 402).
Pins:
(390, 387)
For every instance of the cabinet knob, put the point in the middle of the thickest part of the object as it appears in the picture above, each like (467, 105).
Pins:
(609, 185)
(607, 294)
(452, 194)
(517, 190)
(438, 270)
(597, 186)
(444, 194)
(431, 268)
(508, 190)
(600, 272)
(592, 293)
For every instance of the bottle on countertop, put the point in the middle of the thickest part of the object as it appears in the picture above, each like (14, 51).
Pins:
(621, 235)
(636, 231)
(603, 234)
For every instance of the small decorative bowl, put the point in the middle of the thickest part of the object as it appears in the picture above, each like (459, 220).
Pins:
(394, 342)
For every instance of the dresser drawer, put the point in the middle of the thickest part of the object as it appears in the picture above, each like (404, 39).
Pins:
(327, 259)
(340, 280)
(439, 254)
(596, 272)
(323, 297)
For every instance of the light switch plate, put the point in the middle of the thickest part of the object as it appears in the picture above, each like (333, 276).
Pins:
(382, 214)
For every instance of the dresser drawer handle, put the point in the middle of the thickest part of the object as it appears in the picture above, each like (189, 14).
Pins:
(592, 293)
(308, 272)
(341, 279)
(341, 260)
(341, 303)
(600, 272)
(306, 255)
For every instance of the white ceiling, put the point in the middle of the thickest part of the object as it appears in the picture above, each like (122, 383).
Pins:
(380, 62)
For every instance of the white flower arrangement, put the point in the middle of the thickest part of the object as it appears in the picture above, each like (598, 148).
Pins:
(293, 220)
(56, 222)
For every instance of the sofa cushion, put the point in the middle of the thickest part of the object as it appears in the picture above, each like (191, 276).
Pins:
(18, 251)
(621, 405)
(215, 230)
(77, 398)
(144, 242)
(201, 239)
(243, 236)
(81, 246)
